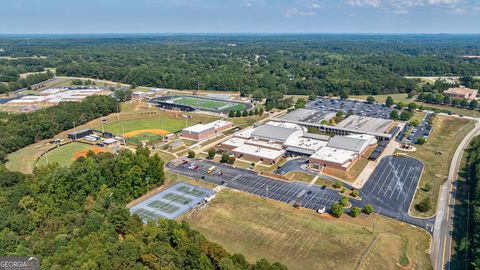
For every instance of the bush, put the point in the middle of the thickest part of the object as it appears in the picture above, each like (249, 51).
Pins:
(368, 209)
(355, 212)
(231, 114)
(225, 157)
(354, 193)
(428, 187)
(421, 141)
(191, 154)
(337, 209)
(424, 206)
(338, 184)
(211, 153)
(344, 201)
(231, 160)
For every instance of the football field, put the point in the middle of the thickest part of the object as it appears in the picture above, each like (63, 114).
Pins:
(207, 104)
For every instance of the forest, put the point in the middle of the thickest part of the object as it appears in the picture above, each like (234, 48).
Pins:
(20, 130)
(470, 237)
(290, 64)
(74, 218)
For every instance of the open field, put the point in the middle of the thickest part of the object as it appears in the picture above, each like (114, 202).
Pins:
(437, 154)
(402, 97)
(307, 178)
(302, 239)
(66, 154)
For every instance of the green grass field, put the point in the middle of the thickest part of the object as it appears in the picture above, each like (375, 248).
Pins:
(208, 104)
(63, 155)
(168, 124)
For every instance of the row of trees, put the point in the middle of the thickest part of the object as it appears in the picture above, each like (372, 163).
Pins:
(26, 82)
(20, 130)
(246, 113)
(438, 98)
(74, 218)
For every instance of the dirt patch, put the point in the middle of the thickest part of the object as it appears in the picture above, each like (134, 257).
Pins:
(134, 133)
(83, 153)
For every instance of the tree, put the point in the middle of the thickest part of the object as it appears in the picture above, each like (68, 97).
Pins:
(231, 160)
(370, 99)
(464, 103)
(337, 209)
(354, 193)
(415, 122)
(300, 103)
(225, 157)
(424, 205)
(258, 94)
(238, 114)
(255, 112)
(337, 184)
(245, 113)
(312, 96)
(191, 154)
(473, 104)
(421, 140)
(250, 113)
(389, 101)
(211, 153)
(344, 95)
(260, 112)
(394, 114)
(405, 115)
(355, 212)
(412, 106)
(231, 114)
(368, 209)
(344, 201)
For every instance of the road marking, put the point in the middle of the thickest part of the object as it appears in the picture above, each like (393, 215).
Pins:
(443, 254)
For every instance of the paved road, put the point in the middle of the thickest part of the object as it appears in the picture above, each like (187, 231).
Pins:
(312, 196)
(442, 236)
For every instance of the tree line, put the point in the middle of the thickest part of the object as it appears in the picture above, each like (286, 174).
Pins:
(74, 218)
(20, 130)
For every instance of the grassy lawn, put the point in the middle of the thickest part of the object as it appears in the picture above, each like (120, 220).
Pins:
(244, 122)
(208, 104)
(307, 178)
(302, 239)
(446, 136)
(63, 155)
(24, 159)
(381, 98)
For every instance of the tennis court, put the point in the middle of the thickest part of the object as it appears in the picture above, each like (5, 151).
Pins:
(171, 202)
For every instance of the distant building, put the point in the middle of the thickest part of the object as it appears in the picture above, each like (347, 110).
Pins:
(204, 131)
(78, 134)
(463, 93)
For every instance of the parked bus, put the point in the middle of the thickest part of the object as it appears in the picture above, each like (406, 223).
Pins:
(211, 169)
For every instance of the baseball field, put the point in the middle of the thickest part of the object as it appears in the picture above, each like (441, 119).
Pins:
(66, 154)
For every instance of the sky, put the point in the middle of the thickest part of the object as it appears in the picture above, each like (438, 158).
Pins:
(239, 16)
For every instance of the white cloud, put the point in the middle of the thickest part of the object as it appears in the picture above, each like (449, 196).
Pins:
(248, 4)
(372, 3)
(313, 6)
(293, 12)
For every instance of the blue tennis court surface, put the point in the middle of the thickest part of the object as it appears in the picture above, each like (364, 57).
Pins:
(172, 202)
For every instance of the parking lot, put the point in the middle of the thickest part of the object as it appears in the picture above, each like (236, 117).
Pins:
(390, 189)
(423, 130)
(293, 193)
(356, 107)
(392, 185)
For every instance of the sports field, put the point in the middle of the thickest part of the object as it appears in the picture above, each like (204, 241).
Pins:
(208, 104)
(66, 154)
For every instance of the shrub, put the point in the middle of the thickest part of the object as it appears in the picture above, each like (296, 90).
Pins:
(344, 201)
(354, 193)
(337, 209)
(337, 184)
(355, 212)
(211, 153)
(368, 209)
(191, 154)
(424, 206)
